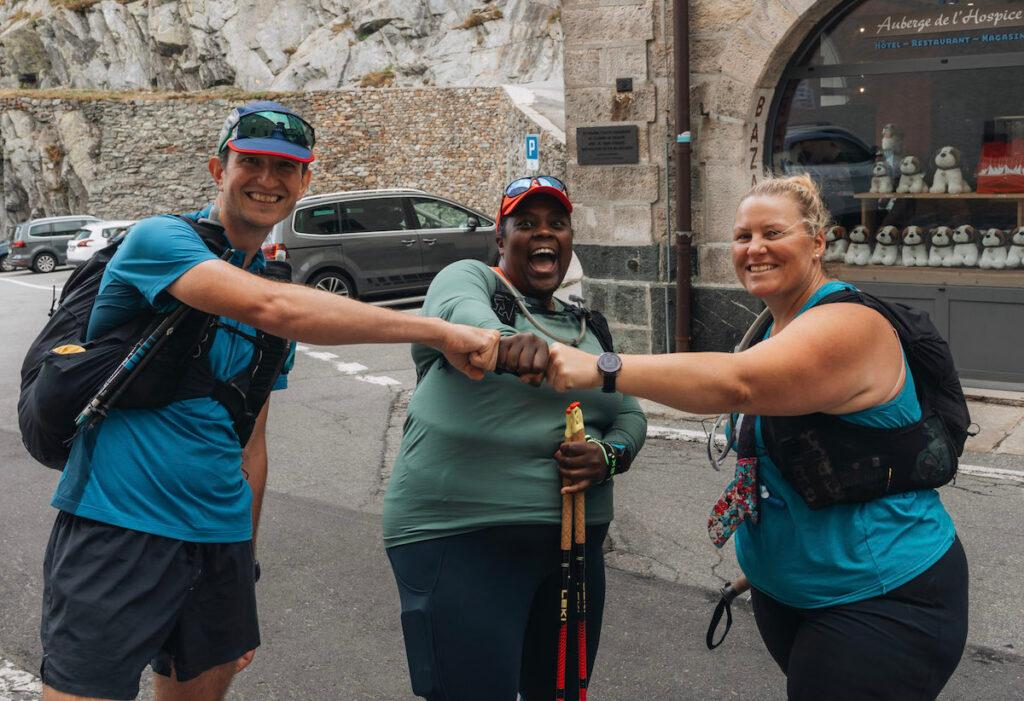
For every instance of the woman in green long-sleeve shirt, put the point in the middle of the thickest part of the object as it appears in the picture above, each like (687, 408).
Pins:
(472, 512)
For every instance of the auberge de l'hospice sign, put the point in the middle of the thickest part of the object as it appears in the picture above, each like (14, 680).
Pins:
(947, 19)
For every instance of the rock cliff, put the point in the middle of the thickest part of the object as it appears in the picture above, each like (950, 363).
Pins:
(280, 45)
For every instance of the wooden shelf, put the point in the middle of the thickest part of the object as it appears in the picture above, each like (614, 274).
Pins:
(972, 277)
(939, 196)
(867, 212)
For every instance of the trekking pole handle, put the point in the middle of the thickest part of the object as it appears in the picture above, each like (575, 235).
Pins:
(730, 590)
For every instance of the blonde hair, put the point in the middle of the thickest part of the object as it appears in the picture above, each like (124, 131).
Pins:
(801, 189)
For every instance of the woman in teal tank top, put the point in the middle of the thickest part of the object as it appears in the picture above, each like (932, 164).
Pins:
(860, 600)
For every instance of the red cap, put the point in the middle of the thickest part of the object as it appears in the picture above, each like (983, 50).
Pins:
(509, 204)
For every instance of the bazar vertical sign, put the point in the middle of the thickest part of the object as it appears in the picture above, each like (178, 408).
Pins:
(944, 20)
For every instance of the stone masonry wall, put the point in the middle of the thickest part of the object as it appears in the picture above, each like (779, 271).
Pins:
(127, 156)
(738, 50)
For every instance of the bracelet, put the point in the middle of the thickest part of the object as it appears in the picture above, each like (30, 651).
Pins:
(610, 458)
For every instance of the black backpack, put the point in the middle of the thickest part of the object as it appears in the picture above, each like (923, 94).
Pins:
(62, 372)
(831, 461)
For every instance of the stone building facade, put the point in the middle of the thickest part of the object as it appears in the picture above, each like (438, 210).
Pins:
(129, 155)
(625, 217)
(836, 89)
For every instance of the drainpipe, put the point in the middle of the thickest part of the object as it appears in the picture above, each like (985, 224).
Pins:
(684, 215)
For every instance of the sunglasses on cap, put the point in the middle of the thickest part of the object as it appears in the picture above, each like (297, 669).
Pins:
(271, 125)
(521, 185)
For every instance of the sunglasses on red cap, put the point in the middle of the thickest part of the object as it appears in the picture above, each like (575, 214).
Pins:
(518, 189)
(521, 185)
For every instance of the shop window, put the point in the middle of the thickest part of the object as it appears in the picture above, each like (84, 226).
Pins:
(886, 85)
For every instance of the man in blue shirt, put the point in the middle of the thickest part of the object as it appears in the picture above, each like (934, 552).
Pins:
(151, 558)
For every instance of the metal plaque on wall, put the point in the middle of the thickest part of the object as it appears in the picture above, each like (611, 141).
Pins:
(605, 146)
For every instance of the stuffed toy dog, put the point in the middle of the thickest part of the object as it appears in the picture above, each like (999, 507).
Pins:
(948, 176)
(892, 139)
(886, 246)
(892, 145)
(859, 252)
(881, 179)
(914, 250)
(1015, 258)
(993, 249)
(911, 176)
(965, 247)
(940, 254)
(835, 244)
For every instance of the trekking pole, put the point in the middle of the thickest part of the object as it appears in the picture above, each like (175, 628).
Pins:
(114, 386)
(574, 432)
(728, 594)
(563, 611)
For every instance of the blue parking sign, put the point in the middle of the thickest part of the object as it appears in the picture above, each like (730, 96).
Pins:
(532, 151)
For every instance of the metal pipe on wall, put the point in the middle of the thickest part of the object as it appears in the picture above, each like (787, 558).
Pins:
(684, 214)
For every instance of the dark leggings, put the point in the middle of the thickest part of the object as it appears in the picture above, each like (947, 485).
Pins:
(480, 612)
(902, 645)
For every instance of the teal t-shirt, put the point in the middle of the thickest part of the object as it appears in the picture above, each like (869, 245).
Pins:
(848, 552)
(174, 471)
(481, 454)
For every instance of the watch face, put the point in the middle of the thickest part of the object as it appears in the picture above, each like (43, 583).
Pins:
(609, 362)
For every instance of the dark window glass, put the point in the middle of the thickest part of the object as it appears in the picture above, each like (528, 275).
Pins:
(879, 31)
(891, 82)
(317, 220)
(434, 214)
(373, 215)
(41, 230)
(67, 228)
(82, 234)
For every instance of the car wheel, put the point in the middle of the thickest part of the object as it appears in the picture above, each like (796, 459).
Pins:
(44, 263)
(5, 266)
(334, 282)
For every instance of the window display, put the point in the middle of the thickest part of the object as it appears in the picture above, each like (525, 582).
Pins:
(908, 115)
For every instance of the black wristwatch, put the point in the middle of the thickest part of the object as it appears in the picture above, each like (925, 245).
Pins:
(609, 364)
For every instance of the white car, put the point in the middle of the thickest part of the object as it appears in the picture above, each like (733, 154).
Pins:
(92, 237)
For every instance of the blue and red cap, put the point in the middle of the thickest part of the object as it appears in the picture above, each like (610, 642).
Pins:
(268, 129)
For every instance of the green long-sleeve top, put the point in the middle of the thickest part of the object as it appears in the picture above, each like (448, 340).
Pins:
(480, 454)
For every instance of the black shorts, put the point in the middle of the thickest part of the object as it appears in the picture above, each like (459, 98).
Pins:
(904, 644)
(115, 600)
(480, 612)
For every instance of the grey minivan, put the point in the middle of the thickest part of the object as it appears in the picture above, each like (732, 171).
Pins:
(379, 243)
(42, 244)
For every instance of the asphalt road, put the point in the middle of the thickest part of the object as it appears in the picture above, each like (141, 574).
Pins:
(329, 607)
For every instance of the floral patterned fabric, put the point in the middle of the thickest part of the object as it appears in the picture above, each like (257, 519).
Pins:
(740, 498)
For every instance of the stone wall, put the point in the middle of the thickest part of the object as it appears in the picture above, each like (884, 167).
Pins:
(737, 53)
(126, 156)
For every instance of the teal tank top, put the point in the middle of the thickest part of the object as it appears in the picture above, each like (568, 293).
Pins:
(848, 552)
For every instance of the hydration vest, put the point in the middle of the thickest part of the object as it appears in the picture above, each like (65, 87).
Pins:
(62, 371)
(831, 461)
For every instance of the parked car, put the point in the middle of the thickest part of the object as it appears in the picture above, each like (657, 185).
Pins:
(379, 243)
(5, 248)
(92, 237)
(42, 244)
(838, 160)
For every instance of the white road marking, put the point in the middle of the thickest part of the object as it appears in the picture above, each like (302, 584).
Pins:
(48, 288)
(375, 380)
(17, 681)
(354, 370)
(998, 473)
(321, 355)
(692, 436)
